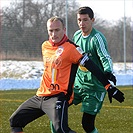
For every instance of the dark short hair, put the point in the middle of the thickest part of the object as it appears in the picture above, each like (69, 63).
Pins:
(86, 10)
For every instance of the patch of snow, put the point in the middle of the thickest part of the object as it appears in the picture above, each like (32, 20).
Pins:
(27, 74)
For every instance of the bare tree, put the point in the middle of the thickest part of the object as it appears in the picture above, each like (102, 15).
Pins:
(23, 29)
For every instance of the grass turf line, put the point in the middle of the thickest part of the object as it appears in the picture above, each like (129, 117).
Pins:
(113, 118)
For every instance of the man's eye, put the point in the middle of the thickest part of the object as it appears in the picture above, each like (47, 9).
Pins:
(57, 29)
(50, 30)
(85, 19)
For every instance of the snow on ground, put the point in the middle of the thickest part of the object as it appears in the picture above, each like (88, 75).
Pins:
(27, 74)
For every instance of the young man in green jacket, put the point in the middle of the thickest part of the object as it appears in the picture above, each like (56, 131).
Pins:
(87, 89)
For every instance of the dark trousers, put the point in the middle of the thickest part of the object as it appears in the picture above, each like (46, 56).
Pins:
(56, 107)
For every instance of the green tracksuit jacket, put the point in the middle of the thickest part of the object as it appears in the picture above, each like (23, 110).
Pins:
(95, 45)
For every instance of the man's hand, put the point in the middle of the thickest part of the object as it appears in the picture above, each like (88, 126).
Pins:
(111, 77)
(115, 93)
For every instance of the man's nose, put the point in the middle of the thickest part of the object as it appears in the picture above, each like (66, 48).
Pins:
(81, 23)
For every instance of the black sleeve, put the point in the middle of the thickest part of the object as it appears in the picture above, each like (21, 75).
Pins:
(73, 72)
(94, 69)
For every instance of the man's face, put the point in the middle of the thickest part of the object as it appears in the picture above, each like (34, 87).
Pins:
(56, 31)
(85, 23)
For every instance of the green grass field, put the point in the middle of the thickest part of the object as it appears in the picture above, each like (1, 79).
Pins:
(113, 118)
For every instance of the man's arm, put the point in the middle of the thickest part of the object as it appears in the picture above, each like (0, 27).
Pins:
(92, 67)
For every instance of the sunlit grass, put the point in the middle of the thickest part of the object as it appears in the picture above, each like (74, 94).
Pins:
(113, 118)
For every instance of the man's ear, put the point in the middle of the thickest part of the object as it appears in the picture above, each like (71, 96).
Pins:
(93, 19)
(65, 30)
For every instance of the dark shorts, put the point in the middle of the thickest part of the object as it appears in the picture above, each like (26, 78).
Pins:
(92, 101)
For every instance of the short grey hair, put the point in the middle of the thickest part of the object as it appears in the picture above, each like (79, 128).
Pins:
(56, 18)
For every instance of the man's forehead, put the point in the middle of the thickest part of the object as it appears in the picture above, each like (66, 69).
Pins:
(83, 16)
(54, 24)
